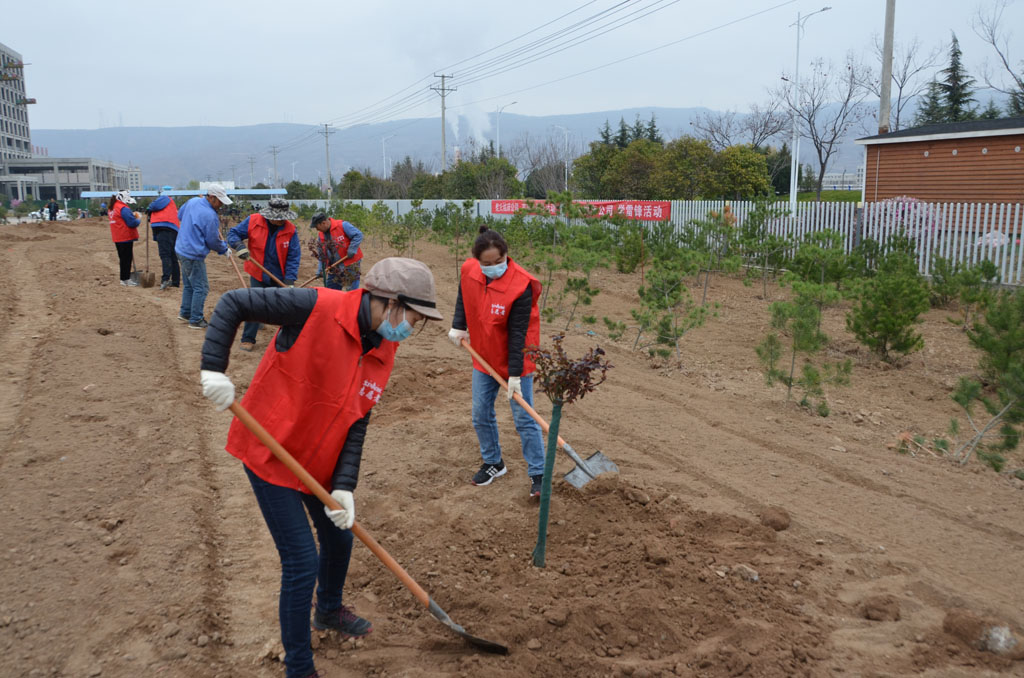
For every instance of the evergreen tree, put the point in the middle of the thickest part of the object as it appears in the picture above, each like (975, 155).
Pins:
(1015, 106)
(957, 88)
(932, 110)
(622, 138)
(991, 111)
(606, 133)
(652, 133)
(638, 130)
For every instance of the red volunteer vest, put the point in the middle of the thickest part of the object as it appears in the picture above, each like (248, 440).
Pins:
(309, 396)
(168, 215)
(341, 241)
(259, 231)
(487, 307)
(119, 230)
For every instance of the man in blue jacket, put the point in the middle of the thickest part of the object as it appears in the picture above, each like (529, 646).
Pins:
(273, 243)
(163, 219)
(198, 233)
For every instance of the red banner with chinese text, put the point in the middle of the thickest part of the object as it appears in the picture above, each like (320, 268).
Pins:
(644, 210)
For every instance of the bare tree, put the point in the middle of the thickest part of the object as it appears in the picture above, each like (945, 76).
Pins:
(909, 62)
(988, 26)
(827, 105)
(729, 128)
(542, 160)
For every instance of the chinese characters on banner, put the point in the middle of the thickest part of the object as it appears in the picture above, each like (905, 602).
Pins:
(644, 210)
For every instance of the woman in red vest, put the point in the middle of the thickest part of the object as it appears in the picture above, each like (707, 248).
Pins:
(313, 391)
(124, 231)
(497, 307)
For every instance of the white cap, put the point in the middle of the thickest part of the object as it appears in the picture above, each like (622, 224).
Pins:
(125, 197)
(218, 192)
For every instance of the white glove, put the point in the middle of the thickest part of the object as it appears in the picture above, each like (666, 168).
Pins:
(514, 386)
(346, 516)
(456, 336)
(218, 388)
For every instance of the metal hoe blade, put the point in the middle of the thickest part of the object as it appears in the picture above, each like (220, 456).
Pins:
(485, 645)
(585, 471)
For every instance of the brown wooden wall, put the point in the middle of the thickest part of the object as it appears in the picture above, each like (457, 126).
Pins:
(897, 169)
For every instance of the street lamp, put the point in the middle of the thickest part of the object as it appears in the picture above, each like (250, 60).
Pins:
(498, 124)
(383, 156)
(565, 154)
(794, 162)
(293, 169)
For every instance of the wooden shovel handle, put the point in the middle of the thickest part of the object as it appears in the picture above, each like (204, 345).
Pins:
(322, 272)
(271, 275)
(316, 488)
(234, 265)
(519, 399)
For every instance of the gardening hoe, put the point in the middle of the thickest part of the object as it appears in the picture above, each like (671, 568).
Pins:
(316, 488)
(585, 471)
(234, 265)
(147, 279)
(323, 272)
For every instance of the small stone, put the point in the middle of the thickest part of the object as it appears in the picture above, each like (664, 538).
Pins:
(557, 616)
(96, 671)
(108, 539)
(370, 596)
(797, 583)
(746, 572)
(656, 553)
(533, 644)
(638, 497)
(880, 608)
(614, 651)
(170, 630)
(88, 387)
(776, 518)
(633, 639)
(819, 542)
(203, 640)
(837, 448)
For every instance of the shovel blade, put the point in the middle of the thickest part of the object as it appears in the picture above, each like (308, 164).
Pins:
(595, 465)
(147, 279)
(485, 645)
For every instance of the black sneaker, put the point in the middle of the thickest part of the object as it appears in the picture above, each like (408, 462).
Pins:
(489, 472)
(344, 621)
(535, 483)
(183, 317)
(201, 325)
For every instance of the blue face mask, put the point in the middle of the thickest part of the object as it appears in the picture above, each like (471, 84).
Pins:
(496, 271)
(392, 333)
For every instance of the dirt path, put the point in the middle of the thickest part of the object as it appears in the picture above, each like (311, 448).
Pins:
(132, 544)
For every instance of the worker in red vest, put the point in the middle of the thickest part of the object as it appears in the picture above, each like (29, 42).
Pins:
(497, 307)
(124, 231)
(339, 239)
(274, 244)
(313, 391)
(163, 219)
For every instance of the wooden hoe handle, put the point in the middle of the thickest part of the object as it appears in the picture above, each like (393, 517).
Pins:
(316, 488)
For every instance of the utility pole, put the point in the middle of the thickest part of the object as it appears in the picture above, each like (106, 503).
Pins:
(273, 150)
(383, 155)
(884, 104)
(442, 90)
(233, 181)
(252, 171)
(565, 154)
(327, 132)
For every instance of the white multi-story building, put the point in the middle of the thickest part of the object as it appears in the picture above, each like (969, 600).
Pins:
(15, 141)
(843, 181)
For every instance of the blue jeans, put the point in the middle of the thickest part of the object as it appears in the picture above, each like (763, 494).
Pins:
(194, 288)
(284, 511)
(485, 390)
(250, 330)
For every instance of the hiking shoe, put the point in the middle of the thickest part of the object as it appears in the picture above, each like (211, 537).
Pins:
(535, 483)
(129, 283)
(344, 621)
(489, 472)
(248, 346)
(201, 325)
(165, 284)
(183, 317)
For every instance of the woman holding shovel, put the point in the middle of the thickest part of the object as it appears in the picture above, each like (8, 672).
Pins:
(313, 392)
(124, 231)
(497, 306)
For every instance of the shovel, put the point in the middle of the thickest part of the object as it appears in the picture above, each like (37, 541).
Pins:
(147, 278)
(585, 471)
(316, 488)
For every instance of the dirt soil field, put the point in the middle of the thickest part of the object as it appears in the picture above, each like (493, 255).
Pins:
(132, 545)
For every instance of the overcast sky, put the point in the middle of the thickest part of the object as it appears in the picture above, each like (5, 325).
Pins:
(229, 62)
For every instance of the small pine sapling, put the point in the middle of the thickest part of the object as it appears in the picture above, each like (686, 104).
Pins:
(565, 381)
(945, 280)
(977, 286)
(667, 307)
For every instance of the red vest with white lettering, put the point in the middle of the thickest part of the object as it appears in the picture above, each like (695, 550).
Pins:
(259, 231)
(119, 230)
(309, 396)
(487, 307)
(341, 241)
(168, 216)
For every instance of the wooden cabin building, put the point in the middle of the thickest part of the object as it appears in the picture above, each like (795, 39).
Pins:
(981, 161)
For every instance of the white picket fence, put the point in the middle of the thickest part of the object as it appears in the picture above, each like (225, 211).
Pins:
(964, 233)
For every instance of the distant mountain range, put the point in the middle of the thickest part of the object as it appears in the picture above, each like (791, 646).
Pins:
(175, 155)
